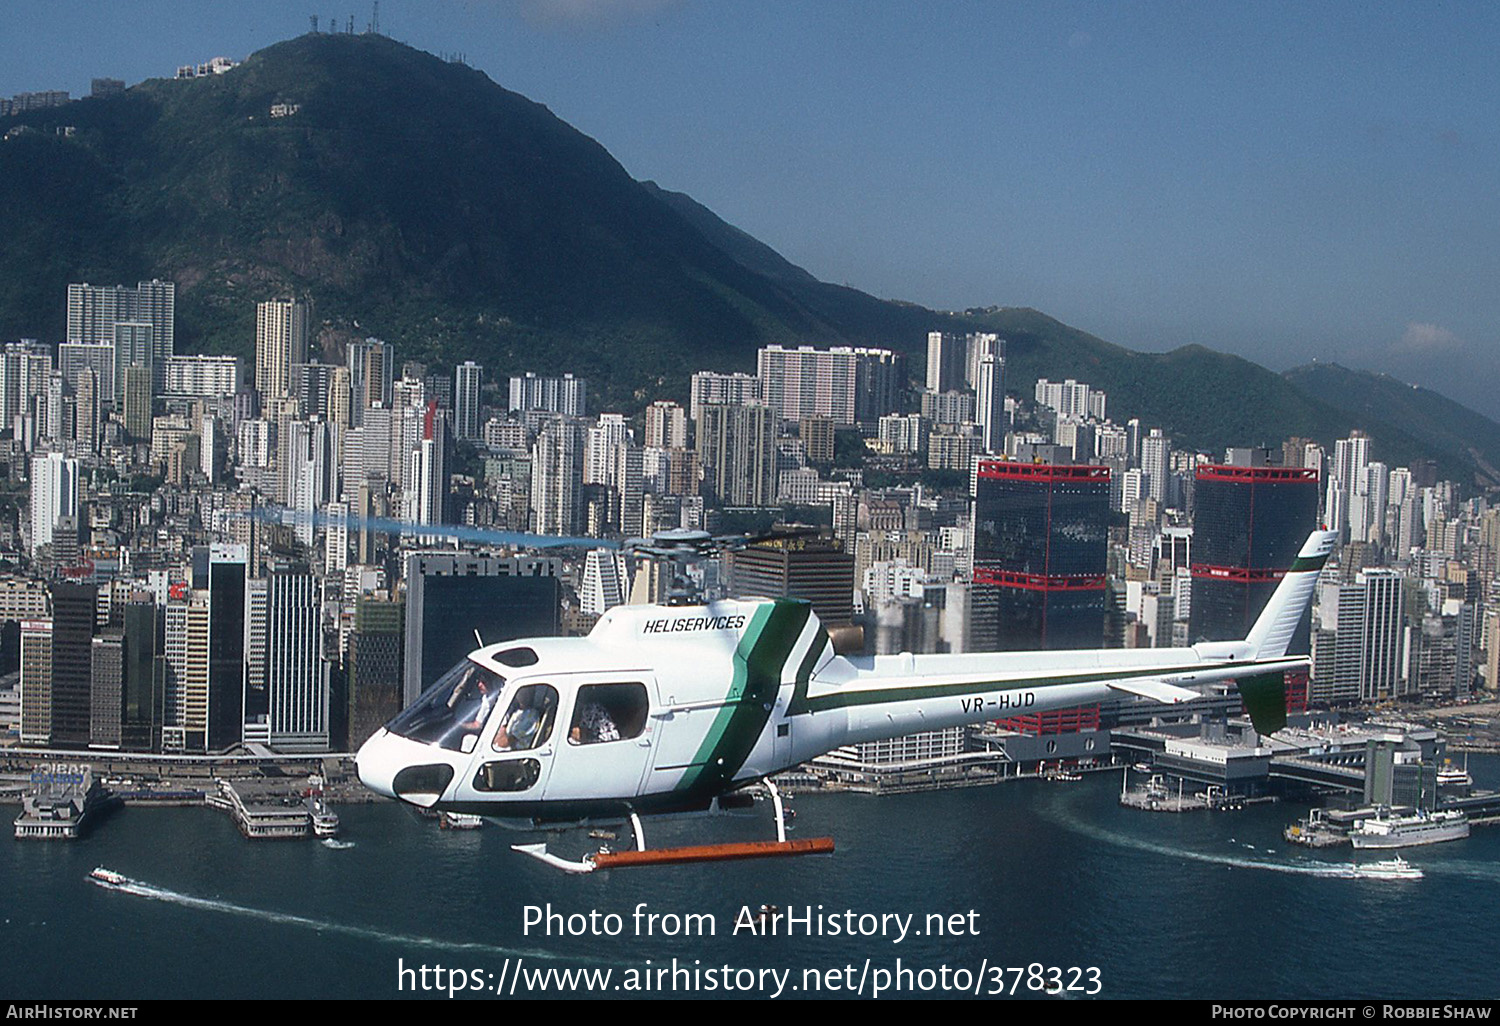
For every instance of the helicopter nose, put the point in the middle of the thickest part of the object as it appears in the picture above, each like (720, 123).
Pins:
(397, 768)
(377, 770)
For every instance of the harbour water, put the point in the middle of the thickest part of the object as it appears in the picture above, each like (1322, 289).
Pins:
(1204, 905)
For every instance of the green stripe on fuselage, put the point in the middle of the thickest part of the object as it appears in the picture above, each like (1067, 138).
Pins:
(842, 699)
(758, 663)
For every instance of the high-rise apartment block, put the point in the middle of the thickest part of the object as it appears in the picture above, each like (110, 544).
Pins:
(737, 450)
(54, 496)
(666, 426)
(724, 390)
(844, 384)
(371, 372)
(281, 335)
(467, 381)
(146, 313)
(566, 395)
(947, 355)
(1358, 639)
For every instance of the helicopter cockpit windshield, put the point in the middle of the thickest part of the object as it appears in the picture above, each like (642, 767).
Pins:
(452, 713)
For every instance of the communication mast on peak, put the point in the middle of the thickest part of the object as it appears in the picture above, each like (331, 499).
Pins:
(314, 19)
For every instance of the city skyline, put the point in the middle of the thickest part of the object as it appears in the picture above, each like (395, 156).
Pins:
(1284, 184)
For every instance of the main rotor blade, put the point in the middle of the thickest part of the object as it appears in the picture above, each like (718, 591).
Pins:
(388, 525)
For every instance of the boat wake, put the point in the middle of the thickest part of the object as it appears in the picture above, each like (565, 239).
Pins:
(1483, 871)
(141, 889)
(1333, 870)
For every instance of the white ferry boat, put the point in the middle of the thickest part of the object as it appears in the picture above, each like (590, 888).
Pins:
(1390, 869)
(1386, 831)
(108, 877)
(459, 821)
(325, 822)
(1449, 775)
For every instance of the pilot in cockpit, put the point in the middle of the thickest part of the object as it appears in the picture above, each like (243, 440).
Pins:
(488, 694)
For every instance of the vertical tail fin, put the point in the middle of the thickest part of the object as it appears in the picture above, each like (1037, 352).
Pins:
(1264, 695)
(1272, 633)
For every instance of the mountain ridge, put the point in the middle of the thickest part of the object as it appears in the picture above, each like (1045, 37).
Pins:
(415, 199)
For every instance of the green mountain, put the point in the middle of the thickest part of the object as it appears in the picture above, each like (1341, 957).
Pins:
(416, 200)
(1414, 421)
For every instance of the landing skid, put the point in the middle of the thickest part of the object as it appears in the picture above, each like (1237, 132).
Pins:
(642, 856)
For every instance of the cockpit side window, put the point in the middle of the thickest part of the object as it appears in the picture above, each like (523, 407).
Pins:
(609, 712)
(527, 724)
(452, 713)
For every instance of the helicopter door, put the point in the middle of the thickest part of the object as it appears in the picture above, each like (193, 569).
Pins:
(606, 748)
(515, 753)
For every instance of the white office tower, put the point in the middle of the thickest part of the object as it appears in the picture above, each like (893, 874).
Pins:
(467, 378)
(1156, 461)
(257, 727)
(149, 311)
(371, 372)
(210, 450)
(1350, 455)
(54, 495)
(601, 464)
(666, 426)
(336, 539)
(1133, 488)
(709, 387)
(310, 471)
(1367, 511)
(1401, 512)
(946, 354)
(976, 344)
(281, 329)
(426, 477)
(990, 386)
(296, 672)
(408, 426)
(1357, 639)
(557, 478)
(603, 582)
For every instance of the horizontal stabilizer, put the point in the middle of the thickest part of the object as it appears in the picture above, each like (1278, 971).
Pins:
(1156, 690)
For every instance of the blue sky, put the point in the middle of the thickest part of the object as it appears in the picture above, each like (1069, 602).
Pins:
(1283, 181)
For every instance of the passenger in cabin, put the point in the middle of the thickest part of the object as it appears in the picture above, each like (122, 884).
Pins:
(529, 721)
(593, 724)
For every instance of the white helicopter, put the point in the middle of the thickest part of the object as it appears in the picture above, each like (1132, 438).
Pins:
(669, 708)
